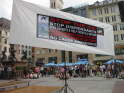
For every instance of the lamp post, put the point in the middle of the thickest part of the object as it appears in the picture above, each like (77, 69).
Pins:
(29, 62)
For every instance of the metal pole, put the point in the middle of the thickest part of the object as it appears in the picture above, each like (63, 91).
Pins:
(65, 91)
(28, 74)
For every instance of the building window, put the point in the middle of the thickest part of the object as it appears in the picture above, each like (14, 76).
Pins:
(116, 38)
(122, 36)
(52, 59)
(121, 26)
(112, 9)
(54, 5)
(119, 51)
(113, 18)
(70, 56)
(83, 13)
(63, 56)
(100, 11)
(101, 19)
(29, 52)
(107, 19)
(106, 10)
(115, 27)
(83, 56)
(94, 12)
(5, 41)
(50, 50)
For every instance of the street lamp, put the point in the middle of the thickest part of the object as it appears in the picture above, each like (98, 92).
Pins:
(29, 62)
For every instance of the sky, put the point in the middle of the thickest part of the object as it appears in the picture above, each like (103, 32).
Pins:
(6, 5)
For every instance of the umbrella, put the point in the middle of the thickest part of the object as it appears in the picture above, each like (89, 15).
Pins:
(114, 61)
(82, 62)
(63, 64)
(50, 64)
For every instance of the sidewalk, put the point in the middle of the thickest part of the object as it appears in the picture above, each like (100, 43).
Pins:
(76, 83)
(13, 84)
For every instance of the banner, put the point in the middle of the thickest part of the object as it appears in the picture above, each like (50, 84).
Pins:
(36, 26)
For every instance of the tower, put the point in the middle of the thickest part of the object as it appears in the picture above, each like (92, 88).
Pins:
(56, 4)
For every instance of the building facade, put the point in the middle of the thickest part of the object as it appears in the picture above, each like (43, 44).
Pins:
(111, 12)
(20, 50)
(4, 33)
(81, 10)
(57, 56)
(108, 11)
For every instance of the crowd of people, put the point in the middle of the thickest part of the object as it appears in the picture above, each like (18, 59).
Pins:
(106, 70)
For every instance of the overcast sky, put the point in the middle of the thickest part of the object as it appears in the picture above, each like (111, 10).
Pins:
(6, 5)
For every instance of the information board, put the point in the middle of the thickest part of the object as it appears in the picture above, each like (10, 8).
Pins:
(37, 26)
(66, 30)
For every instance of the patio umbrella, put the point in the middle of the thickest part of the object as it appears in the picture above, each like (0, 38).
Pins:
(114, 61)
(82, 62)
(63, 64)
(60, 64)
(50, 64)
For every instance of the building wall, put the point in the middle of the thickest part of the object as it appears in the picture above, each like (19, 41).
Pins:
(20, 49)
(4, 34)
(57, 56)
(109, 12)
